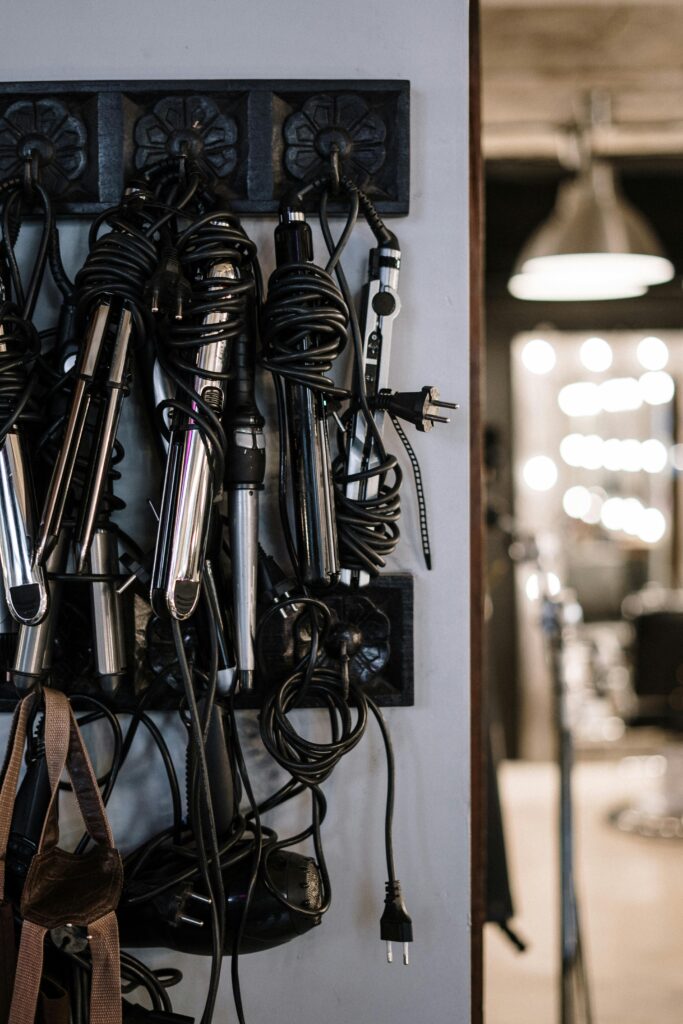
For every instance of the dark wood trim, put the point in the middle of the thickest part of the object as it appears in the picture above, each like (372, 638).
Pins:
(477, 735)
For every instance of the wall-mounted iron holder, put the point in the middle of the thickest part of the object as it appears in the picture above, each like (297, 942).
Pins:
(375, 622)
(259, 138)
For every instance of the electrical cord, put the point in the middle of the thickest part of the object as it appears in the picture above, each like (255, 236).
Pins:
(304, 328)
(211, 238)
(311, 763)
(202, 816)
(367, 527)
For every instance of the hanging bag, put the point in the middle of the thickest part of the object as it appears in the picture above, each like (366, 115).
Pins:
(62, 890)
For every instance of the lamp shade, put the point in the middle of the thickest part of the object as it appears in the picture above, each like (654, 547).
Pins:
(594, 245)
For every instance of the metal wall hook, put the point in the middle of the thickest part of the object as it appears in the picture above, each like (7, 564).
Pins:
(31, 172)
(335, 169)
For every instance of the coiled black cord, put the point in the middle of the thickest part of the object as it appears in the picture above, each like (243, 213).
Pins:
(212, 238)
(304, 328)
(21, 343)
(367, 528)
(310, 763)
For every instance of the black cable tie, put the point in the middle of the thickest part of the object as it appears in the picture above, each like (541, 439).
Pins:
(419, 490)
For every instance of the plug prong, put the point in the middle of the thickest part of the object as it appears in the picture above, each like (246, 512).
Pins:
(194, 921)
(436, 419)
(206, 900)
(406, 954)
(390, 953)
(445, 405)
(124, 586)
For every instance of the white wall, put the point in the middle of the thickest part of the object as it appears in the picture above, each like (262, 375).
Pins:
(338, 973)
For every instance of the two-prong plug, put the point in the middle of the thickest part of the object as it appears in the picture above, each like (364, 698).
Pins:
(169, 288)
(395, 923)
(418, 407)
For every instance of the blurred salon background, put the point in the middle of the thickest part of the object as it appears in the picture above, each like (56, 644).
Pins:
(583, 147)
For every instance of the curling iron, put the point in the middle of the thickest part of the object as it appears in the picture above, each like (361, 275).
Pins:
(306, 324)
(188, 492)
(380, 307)
(244, 475)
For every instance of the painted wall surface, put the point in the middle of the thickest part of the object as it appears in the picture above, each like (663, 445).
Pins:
(338, 973)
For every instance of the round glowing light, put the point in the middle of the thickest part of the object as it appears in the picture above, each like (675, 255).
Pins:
(611, 454)
(580, 399)
(596, 355)
(652, 526)
(657, 387)
(597, 496)
(571, 449)
(653, 455)
(576, 502)
(620, 394)
(632, 516)
(592, 452)
(631, 455)
(612, 514)
(652, 353)
(540, 473)
(539, 356)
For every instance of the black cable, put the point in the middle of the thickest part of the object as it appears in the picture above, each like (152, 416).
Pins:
(367, 528)
(304, 328)
(204, 821)
(256, 860)
(211, 238)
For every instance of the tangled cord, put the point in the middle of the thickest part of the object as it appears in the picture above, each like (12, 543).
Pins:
(212, 238)
(21, 342)
(304, 327)
(367, 528)
(310, 763)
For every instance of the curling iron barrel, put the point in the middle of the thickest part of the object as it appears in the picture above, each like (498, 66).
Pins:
(316, 529)
(244, 475)
(188, 484)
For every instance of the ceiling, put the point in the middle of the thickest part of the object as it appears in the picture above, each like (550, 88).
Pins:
(541, 58)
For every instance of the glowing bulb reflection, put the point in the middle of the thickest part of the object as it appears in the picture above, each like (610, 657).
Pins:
(596, 355)
(576, 502)
(538, 356)
(656, 387)
(652, 353)
(540, 473)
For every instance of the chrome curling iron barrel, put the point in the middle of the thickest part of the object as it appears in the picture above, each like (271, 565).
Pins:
(244, 474)
(216, 255)
(25, 586)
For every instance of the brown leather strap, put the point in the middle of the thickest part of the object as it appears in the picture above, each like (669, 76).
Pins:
(105, 995)
(8, 958)
(8, 791)
(29, 973)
